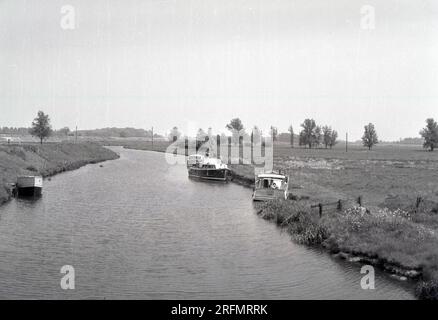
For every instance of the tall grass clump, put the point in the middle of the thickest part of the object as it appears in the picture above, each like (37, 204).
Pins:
(389, 235)
(427, 290)
(296, 218)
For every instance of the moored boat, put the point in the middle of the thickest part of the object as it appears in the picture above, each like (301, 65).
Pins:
(270, 186)
(206, 168)
(29, 186)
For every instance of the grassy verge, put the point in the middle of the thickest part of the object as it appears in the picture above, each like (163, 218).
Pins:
(390, 232)
(46, 160)
(394, 240)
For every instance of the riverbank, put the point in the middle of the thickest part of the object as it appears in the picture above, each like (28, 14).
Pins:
(396, 225)
(388, 230)
(394, 241)
(46, 160)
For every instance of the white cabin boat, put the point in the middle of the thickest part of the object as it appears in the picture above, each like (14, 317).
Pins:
(29, 185)
(270, 186)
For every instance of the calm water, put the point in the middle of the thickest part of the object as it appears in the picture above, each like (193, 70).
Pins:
(139, 228)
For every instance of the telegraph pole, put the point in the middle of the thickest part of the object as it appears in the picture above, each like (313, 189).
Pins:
(346, 142)
(76, 134)
(152, 137)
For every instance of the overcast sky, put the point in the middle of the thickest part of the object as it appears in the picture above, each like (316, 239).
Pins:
(199, 63)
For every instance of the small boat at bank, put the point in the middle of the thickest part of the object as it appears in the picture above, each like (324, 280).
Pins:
(270, 186)
(29, 186)
(206, 168)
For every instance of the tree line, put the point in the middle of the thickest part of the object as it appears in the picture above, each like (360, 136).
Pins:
(311, 135)
(314, 136)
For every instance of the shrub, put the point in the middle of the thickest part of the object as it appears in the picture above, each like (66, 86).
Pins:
(296, 218)
(427, 290)
(31, 168)
(306, 231)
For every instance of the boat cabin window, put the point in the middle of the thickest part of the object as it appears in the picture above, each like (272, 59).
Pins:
(266, 183)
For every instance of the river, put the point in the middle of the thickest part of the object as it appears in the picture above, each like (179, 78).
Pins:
(138, 228)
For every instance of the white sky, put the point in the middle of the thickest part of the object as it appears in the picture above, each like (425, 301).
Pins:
(199, 63)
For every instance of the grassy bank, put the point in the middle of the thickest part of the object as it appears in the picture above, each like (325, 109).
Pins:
(388, 230)
(394, 240)
(46, 160)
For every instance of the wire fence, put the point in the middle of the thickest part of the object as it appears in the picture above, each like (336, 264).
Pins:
(341, 204)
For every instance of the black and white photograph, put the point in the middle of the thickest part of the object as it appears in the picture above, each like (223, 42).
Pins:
(218, 150)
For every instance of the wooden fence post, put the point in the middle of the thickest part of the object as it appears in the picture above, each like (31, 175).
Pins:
(320, 209)
(340, 205)
(417, 204)
(359, 201)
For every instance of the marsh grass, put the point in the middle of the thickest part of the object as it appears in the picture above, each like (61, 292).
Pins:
(427, 290)
(388, 235)
(296, 218)
(391, 237)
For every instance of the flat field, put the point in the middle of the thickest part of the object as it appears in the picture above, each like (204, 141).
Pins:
(387, 176)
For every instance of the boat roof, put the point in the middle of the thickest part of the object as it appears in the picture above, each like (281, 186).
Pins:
(29, 177)
(196, 156)
(208, 160)
(271, 175)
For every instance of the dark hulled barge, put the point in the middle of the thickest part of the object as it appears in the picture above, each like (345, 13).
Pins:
(206, 168)
(28, 186)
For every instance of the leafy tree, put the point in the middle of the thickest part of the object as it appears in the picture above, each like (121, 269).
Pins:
(302, 141)
(318, 136)
(369, 137)
(274, 133)
(256, 135)
(235, 126)
(200, 136)
(291, 130)
(430, 134)
(308, 133)
(327, 135)
(41, 127)
(174, 134)
(333, 138)
(64, 131)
